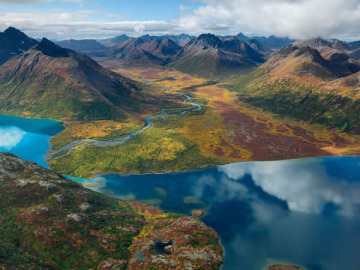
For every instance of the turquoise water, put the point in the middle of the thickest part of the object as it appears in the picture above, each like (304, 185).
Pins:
(304, 212)
(27, 138)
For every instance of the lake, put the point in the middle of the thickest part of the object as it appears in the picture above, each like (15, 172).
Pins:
(27, 138)
(304, 212)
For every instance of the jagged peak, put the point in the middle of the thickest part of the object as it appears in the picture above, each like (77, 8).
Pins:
(241, 36)
(210, 40)
(15, 34)
(287, 50)
(313, 43)
(313, 52)
(51, 49)
(12, 29)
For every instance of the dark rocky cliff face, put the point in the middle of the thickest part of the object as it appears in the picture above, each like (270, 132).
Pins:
(49, 222)
(14, 42)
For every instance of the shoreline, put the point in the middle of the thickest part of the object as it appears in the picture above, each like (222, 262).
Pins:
(302, 159)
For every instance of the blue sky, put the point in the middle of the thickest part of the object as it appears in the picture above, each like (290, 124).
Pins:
(121, 9)
(298, 19)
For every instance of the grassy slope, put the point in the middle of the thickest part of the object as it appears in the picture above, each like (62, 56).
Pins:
(159, 148)
(71, 88)
(290, 97)
(50, 102)
(225, 131)
(170, 145)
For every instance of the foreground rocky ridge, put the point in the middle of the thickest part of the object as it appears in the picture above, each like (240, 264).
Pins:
(49, 222)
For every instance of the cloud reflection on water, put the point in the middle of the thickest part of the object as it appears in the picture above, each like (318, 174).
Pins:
(10, 137)
(305, 186)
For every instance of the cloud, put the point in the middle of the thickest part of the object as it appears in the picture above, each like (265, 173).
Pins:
(78, 24)
(10, 137)
(299, 19)
(293, 18)
(305, 187)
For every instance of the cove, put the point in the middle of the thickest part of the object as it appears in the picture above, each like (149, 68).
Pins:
(28, 139)
(304, 212)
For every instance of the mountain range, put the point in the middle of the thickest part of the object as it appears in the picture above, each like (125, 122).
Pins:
(86, 46)
(293, 80)
(145, 51)
(207, 55)
(312, 80)
(210, 56)
(53, 82)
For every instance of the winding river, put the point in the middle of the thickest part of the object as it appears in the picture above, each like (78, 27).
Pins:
(106, 143)
(304, 212)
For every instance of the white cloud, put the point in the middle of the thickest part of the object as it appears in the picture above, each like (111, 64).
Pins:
(293, 18)
(10, 137)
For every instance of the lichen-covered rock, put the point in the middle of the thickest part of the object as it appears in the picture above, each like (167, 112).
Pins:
(179, 243)
(61, 225)
(78, 217)
(112, 264)
(84, 207)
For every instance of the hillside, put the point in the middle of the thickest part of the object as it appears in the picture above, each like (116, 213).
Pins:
(181, 39)
(48, 222)
(145, 51)
(313, 81)
(271, 43)
(13, 42)
(302, 60)
(53, 82)
(109, 42)
(212, 57)
(85, 46)
(207, 56)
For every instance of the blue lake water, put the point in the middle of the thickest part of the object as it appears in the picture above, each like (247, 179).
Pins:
(304, 212)
(27, 138)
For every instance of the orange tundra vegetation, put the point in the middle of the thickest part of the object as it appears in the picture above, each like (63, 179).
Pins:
(225, 130)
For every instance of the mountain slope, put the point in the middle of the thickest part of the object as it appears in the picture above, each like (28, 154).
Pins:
(210, 56)
(52, 82)
(315, 58)
(270, 43)
(109, 42)
(48, 222)
(308, 80)
(181, 39)
(145, 51)
(85, 46)
(14, 42)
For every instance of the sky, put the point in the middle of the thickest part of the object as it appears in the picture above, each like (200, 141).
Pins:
(79, 19)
